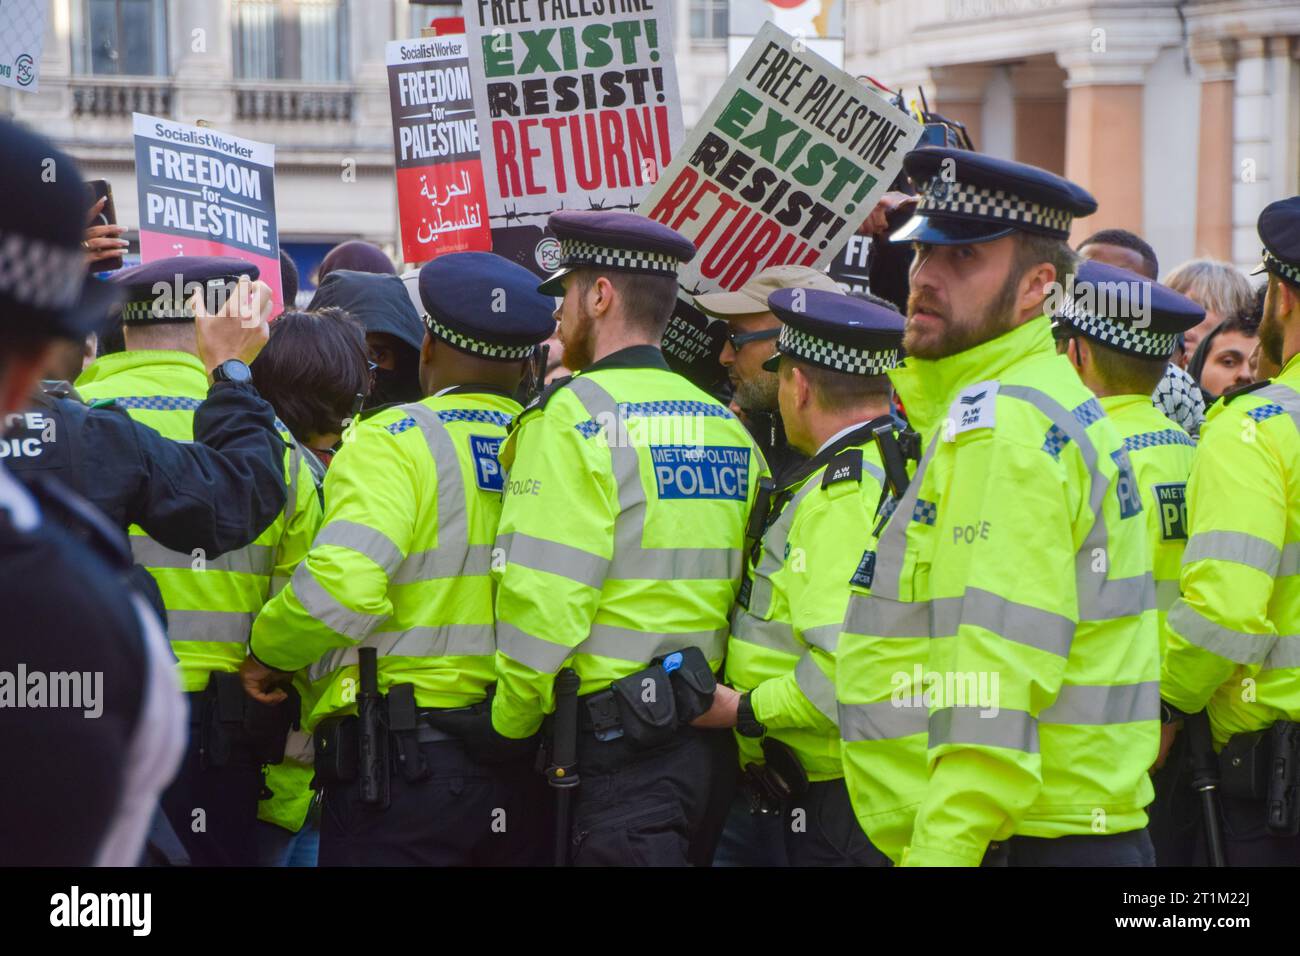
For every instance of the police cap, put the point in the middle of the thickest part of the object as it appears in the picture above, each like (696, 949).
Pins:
(1279, 230)
(968, 197)
(486, 305)
(618, 241)
(835, 331)
(159, 291)
(1125, 311)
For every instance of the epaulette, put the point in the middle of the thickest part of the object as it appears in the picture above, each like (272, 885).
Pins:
(1236, 390)
(846, 466)
(545, 395)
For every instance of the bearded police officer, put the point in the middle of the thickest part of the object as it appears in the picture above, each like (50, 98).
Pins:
(832, 356)
(92, 722)
(1232, 645)
(401, 567)
(1004, 623)
(211, 602)
(624, 518)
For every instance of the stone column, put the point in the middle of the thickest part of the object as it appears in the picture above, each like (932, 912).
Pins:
(959, 95)
(202, 62)
(1040, 114)
(1103, 139)
(1214, 170)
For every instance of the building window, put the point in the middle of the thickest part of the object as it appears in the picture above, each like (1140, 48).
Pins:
(709, 21)
(291, 40)
(119, 37)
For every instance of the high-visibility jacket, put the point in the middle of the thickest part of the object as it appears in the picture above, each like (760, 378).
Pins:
(1234, 635)
(786, 622)
(401, 563)
(1161, 454)
(1000, 675)
(211, 602)
(622, 531)
(289, 782)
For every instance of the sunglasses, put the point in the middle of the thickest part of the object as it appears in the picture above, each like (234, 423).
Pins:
(744, 338)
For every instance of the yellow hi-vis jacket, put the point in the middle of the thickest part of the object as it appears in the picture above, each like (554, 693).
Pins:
(1000, 676)
(1234, 635)
(211, 604)
(786, 622)
(401, 563)
(623, 530)
(1161, 454)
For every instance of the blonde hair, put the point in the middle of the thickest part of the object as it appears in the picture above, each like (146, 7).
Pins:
(1215, 286)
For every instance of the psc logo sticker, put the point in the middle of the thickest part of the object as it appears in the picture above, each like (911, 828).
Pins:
(26, 68)
(1171, 499)
(487, 466)
(701, 471)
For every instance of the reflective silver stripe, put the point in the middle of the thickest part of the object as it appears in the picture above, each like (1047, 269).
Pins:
(875, 471)
(1014, 622)
(363, 539)
(218, 626)
(632, 560)
(772, 557)
(251, 559)
(278, 581)
(327, 609)
(448, 640)
(942, 617)
(1235, 546)
(1166, 594)
(545, 657)
(1285, 653)
(1290, 560)
(891, 547)
(1236, 646)
(816, 686)
(641, 647)
(446, 562)
(1104, 704)
(1012, 729)
(1120, 597)
(874, 616)
(826, 637)
(775, 635)
(883, 720)
(553, 557)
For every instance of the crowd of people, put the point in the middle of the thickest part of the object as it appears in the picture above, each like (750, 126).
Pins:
(930, 582)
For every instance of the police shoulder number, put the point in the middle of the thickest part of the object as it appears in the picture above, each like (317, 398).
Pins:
(973, 408)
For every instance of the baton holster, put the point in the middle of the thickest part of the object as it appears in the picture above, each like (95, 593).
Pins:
(1264, 767)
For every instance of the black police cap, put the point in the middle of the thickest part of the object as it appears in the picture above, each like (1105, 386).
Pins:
(835, 331)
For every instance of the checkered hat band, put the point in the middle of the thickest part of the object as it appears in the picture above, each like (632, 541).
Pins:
(575, 252)
(40, 274)
(1284, 269)
(832, 355)
(146, 311)
(1124, 337)
(964, 199)
(492, 350)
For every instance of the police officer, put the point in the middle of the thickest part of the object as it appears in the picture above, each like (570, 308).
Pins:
(752, 329)
(622, 529)
(401, 565)
(83, 765)
(1119, 331)
(211, 602)
(1231, 646)
(833, 353)
(1006, 622)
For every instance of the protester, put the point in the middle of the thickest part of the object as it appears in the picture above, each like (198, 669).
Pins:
(1215, 286)
(288, 279)
(314, 372)
(1222, 360)
(394, 332)
(355, 256)
(1123, 249)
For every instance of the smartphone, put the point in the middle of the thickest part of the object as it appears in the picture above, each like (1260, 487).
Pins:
(96, 189)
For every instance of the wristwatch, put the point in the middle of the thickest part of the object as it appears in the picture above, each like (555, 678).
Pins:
(747, 724)
(232, 370)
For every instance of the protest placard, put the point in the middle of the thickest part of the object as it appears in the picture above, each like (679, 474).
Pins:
(578, 108)
(206, 193)
(440, 196)
(22, 35)
(789, 158)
